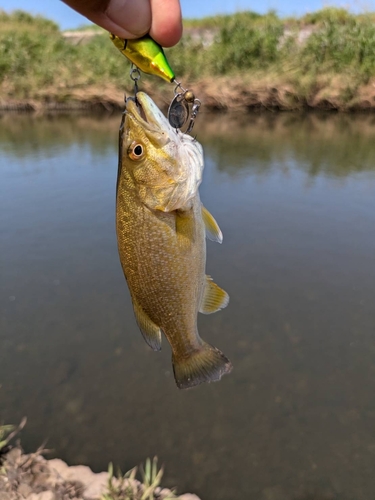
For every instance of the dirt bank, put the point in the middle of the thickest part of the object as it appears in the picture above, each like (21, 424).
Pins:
(240, 94)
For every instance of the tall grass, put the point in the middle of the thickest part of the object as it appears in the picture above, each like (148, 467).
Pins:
(35, 57)
(246, 43)
(338, 47)
(218, 21)
(339, 41)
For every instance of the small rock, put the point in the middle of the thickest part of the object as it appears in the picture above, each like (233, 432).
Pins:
(62, 372)
(58, 466)
(93, 484)
(97, 486)
(43, 495)
(164, 492)
(14, 455)
(5, 496)
(188, 496)
(80, 473)
(274, 493)
(24, 490)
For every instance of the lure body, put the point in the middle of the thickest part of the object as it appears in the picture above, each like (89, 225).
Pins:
(146, 54)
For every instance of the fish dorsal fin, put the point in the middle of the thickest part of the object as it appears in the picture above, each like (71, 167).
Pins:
(151, 332)
(214, 297)
(213, 231)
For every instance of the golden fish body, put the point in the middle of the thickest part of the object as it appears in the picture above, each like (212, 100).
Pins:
(161, 229)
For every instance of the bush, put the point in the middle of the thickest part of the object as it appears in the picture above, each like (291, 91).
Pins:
(337, 47)
(246, 43)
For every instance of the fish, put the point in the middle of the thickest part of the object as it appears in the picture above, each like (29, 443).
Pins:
(161, 227)
(146, 54)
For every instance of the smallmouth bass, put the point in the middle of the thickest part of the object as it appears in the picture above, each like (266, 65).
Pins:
(161, 228)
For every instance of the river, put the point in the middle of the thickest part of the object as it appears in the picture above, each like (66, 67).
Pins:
(295, 198)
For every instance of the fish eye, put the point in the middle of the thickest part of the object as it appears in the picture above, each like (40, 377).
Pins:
(135, 151)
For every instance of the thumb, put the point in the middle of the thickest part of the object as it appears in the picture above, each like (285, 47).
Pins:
(124, 18)
(129, 18)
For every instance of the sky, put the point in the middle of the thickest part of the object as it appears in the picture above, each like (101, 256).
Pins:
(67, 18)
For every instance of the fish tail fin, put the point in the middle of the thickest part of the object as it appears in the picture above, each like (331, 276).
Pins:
(206, 364)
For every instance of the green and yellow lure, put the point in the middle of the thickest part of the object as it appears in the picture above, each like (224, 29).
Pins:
(146, 54)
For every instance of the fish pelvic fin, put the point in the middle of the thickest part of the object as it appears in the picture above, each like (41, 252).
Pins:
(151, 332)
(213, 232)
(214, 297)
(207, 364)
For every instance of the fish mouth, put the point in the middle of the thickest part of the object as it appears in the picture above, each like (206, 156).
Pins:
(143, 110)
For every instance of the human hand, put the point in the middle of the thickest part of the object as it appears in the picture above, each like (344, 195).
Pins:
(134, 18)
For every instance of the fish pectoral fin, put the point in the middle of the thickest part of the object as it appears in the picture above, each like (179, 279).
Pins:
(213, 231)
(205, 364)
(151, 332)
(214, 297)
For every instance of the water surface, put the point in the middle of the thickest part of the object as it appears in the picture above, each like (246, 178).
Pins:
(295, 198)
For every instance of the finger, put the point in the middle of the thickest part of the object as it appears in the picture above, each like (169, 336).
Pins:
(133, 16)
(166, 26)
(124, 18)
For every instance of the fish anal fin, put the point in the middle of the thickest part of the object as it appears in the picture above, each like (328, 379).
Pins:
(214, 297)
(206, 364)
(151, 332)
(213, 231)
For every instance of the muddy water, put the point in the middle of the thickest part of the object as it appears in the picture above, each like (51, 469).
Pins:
(295, 199)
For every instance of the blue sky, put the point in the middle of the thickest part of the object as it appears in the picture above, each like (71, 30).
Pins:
(67, 18)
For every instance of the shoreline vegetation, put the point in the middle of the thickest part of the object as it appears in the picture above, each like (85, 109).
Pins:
(324, 60)
(32, 477)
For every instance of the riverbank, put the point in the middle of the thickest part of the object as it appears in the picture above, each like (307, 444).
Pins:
(31, 476)
(221, 94)
(244, 62)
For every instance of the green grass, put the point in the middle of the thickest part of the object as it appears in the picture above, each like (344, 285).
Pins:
(8, 432)
(19, 20)
(247, 43)
(123, 487)
(36, 60)
(88, 27)
(338, 47)
(329, 14)
(218, 21)
(340, 42)
(34, 56)
(5, 431)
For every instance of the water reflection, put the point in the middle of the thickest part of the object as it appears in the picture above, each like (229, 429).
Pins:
(56, 133)
(295, 199)
(337, 145)
(334, 145)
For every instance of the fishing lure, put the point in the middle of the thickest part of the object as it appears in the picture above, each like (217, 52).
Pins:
(148, 56)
